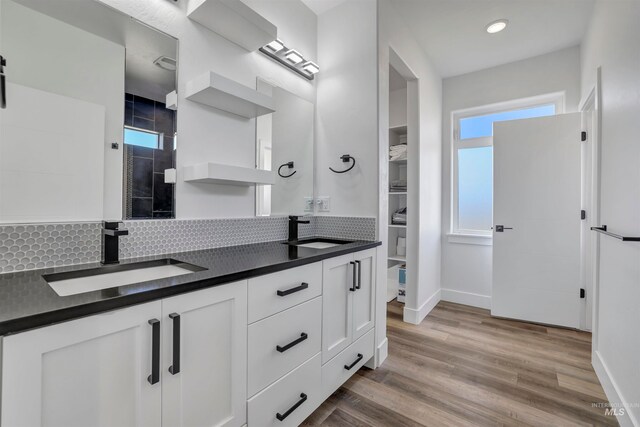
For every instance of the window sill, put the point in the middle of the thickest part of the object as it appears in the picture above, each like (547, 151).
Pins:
(470, 239)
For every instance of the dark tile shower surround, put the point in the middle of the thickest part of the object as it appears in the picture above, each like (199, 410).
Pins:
(146, 193)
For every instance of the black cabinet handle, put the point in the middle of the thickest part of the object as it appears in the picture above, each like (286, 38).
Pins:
(3, 83)
(353, 285)
(290, 291)
(355, 362)
(281, 417)
(175, 368)
(359, 285)
(303, 336)
(155, 352)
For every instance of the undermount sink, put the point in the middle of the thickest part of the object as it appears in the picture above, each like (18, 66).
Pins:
(318, 243)
(112, 276)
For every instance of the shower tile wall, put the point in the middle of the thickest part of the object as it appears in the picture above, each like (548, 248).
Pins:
(146, 194)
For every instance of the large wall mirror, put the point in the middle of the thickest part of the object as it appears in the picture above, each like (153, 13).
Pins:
(85, 134)
(285, 144)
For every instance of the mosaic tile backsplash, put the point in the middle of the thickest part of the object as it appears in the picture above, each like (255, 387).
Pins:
(34, 246)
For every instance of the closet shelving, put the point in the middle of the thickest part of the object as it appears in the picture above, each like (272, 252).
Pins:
(397, 199)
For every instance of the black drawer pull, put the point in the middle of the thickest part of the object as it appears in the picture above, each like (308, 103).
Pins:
(353, 284)
(359, 285)
(303, 337)
(355, 362)
(155, 352)
(281, 417)
(175, 368)
(290, 291)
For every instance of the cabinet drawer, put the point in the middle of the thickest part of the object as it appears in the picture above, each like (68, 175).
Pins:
(276, 344)
(300, 387)
(335, 372)
(264, 299)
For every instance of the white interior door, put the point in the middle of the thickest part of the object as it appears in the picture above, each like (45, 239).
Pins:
(537, 183)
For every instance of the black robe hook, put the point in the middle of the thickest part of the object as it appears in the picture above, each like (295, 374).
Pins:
(345, 158)
(290, 166)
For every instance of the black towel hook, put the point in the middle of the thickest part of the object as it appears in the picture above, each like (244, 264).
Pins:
(345, 158)
(290, 166)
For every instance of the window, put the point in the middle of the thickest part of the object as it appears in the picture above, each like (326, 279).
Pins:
(472, 159)
(141, 137)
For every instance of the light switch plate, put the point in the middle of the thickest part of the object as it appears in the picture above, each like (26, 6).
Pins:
(309, 202)
(324, 204)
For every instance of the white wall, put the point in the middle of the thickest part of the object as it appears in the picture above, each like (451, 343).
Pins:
(466, 268)
(346, 113)
(612, 43)
(398, 107)
(425, 169)
(78, 65)
(206, 134)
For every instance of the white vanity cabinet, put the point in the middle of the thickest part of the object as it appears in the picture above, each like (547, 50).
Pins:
(348, 289)
(206, 331)
(98, 370)
(87, 372)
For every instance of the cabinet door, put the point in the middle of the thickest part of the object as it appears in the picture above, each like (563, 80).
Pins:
(87, 372)
(210, 388)
(337, 293)
(364, 296)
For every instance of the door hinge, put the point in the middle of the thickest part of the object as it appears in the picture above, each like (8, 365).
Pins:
(582, 293)
(583, 214)
(583, 136)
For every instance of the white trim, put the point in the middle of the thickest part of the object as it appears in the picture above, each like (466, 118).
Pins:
(416, 316)
(382, 352)
(466, 298)
(556, 98)
(470, 239)
(611, 390)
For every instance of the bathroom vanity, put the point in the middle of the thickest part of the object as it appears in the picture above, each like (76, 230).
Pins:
(261, 335)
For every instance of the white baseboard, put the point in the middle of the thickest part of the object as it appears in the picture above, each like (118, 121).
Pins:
(415, 316)
(611, 390)
(466, 298)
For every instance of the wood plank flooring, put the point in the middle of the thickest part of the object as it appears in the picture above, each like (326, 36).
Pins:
(461, 367)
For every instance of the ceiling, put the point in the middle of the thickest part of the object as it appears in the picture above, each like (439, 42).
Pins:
(321, 6)
(452, 32)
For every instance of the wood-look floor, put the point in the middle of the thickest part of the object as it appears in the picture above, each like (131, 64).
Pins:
(461, 367)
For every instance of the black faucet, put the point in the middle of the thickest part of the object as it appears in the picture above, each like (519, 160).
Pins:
(110, 248)
(293, 227)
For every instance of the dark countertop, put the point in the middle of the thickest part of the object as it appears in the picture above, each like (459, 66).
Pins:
(27, 301)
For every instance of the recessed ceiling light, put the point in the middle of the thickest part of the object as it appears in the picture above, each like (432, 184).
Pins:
(276, 45)
(311, 67)
(497, 26)
(293, 57)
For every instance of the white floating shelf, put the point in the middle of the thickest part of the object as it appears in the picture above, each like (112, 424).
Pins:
(224, 94)
(214, 173)
(235, 21)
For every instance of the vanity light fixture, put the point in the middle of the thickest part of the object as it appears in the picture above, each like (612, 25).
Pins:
(293, 56)
(290, 58)
(310, 67)
(275, 46)
(497, 26)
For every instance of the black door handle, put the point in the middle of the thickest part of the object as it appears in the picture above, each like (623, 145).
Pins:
(282, 349)
(155, 351)
(353, 286)
(290, 291)
(359, 285)
(501, 228)
(175, 368)
(355, 362)
(281, 417)
(3, 83)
